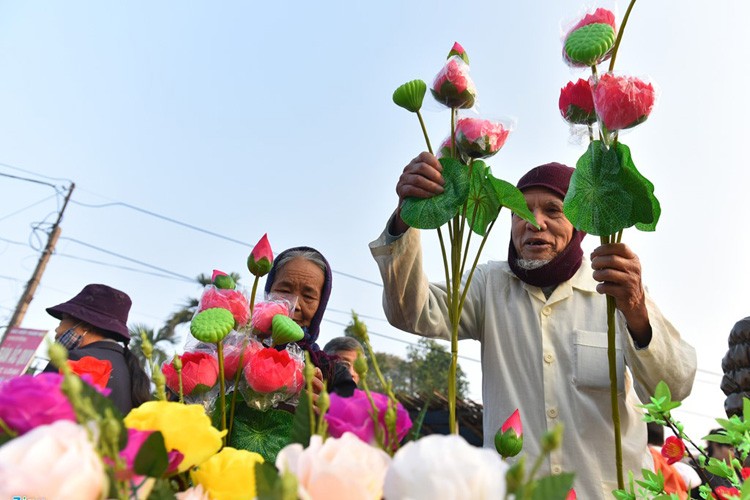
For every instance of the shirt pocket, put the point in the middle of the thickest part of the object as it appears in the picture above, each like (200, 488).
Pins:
(592, 363)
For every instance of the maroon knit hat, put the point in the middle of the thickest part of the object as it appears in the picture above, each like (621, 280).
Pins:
(101, 306)
(553, 176)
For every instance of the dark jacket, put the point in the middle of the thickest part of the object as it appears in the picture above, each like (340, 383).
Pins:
(736, 367)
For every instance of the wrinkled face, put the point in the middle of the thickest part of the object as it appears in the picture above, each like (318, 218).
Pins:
(555, 230)
(304, 279)
(348, 358)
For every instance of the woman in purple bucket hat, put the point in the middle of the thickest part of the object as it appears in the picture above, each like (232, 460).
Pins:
(94, 323)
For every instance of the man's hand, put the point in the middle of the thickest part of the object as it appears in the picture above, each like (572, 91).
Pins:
(421, 178)
(618, 271)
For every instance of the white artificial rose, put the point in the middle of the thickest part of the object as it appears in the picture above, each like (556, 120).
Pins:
(345, 468)
(438, 467)
(194, 493)
(51, 461)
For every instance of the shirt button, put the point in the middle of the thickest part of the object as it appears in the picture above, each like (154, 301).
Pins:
(556, 469)
(552, 413)
(547, 310)
(548, 358)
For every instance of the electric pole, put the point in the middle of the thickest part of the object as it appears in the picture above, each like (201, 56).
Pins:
(28, 294)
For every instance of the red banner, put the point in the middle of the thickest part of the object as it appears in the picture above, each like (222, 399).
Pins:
(17, 349)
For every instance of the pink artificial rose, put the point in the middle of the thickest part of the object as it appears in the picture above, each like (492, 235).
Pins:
(263, 314)
(233, 301)
(270, 370)
(477, 138)
(453, 86)
(26, 402)
(200, 371)
(352, 414)
(260, 260)
(622, 101)
(577, 103)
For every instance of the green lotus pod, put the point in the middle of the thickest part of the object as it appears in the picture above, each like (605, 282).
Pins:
(212, 325)
(410, 95)
(285, 330)
(588, 45)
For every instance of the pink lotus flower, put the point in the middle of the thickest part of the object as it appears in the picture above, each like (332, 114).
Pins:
(233, 301)
(622, 102)
(270, 370)
(509, 439)
(27, 402)
(571, 495)
(200, 371)
(352, 414)
(263, 314)
(217, 273)
(577, 103)
(458, 50)
(232, 358)
(261, 258)
(453, 86)
(600, 15)
(673, 449)
(477, 138)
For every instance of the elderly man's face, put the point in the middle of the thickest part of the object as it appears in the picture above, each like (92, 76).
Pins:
(555, 230)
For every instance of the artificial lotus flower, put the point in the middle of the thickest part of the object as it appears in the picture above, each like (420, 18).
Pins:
(186, 428)
(228, 475)
(232, 354)
(591, 39)
(509, 439)
(232, 300)
(622, 101)
(269, 370)
(222, 280)
(477, 138)
(673, 449)
(260, 260)
(200, 371)
(453, 86)
(571, 495)
(263, 313)
(577, 103)
(458, 50)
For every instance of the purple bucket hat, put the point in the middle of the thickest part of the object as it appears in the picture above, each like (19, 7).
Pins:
(101, 306)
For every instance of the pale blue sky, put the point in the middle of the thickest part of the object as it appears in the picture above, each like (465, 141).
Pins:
(277, 117)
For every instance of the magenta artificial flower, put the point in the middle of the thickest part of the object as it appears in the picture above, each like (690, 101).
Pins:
(622, 101)
(270, 370)
(352, 414)
(673, 449)
(453, 86)
(26, 402)
(136, 438)
(458, 50)
(233, 301)
(260, 260)
(477, 138)
(200, 371)
(577, 103)
(263, 314)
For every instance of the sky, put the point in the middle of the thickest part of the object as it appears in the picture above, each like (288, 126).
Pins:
(190, 129)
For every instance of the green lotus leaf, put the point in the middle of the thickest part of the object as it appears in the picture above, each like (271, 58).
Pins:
(589, 44)
(511, 197)
(264, 432)
(212, 325)
(607, 193)
(410, 95)
(431, 213)
(483, 204)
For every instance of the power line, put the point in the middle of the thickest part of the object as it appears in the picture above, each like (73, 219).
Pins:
(126, 268)
(29, 206)
(29, 180)
(34, 173)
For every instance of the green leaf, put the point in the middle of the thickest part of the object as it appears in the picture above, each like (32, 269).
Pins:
(483, 204)
(266, 480)
(152, 459)
(301, 423)
(622, 495)
(431, 213)
(553, 487)
(162, 490)
(512, 198)
(662, 391)
(410, 95)
(608, 194)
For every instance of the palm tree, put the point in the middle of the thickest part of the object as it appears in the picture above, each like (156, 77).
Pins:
(162, 341)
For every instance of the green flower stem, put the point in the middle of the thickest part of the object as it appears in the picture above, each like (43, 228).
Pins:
(454, 315)
(453, 132)
(237, 372)
(532, 473)
(7, 430)
(700, 470)
(182, 390)
(222, 396)
(375, 414)
(424, 131)
(252, 295)
(612, 357)
(474, 265)
(445, 262)
(619, 35)
(309, 374)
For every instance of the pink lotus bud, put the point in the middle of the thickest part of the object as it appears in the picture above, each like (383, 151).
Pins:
(222, 280)
(577, 103)
(623, 101)
(261, 258)
(458, 50)
(509, 439)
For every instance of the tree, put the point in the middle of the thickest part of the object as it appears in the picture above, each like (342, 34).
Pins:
(163, 342)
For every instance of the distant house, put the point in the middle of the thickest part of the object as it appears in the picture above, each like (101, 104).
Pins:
(468, 416)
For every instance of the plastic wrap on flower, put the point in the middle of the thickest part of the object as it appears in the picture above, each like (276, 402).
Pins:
(622, 101)
(453, 86)
(273, 376)
(263, 313)
(236, 346)
(576, 103)
(477, 138)
(590, 40)
(444, 151)
(200, 374)
(233, 301)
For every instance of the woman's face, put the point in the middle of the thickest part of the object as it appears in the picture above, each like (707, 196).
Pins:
(66, 324)
(304, 279)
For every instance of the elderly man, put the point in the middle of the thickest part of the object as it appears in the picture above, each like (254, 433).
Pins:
(541, 320)
(346, 350)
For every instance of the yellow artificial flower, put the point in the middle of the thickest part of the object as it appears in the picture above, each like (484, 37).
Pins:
(185, 428)
(228, 475)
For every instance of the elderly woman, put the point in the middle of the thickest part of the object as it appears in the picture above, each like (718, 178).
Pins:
(304, 273)
(94, 323)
